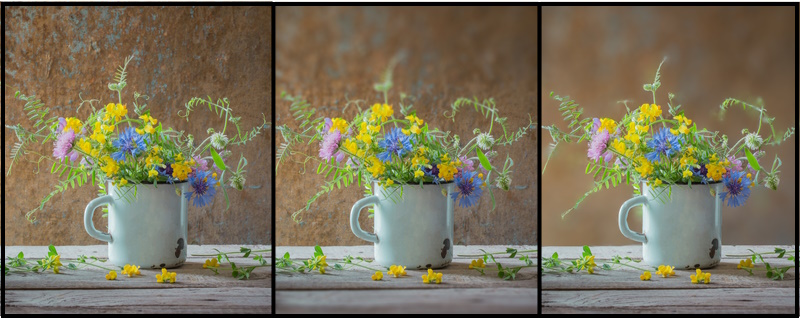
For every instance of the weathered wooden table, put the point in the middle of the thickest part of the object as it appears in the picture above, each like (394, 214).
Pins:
(86, 290)
(621, 291)
(353, 291)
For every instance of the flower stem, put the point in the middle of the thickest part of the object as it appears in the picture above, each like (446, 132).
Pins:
(228, 253)
(495, 253)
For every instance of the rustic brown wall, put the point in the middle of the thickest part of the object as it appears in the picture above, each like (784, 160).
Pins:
(327, 53)
(599, 55)
(181, 52)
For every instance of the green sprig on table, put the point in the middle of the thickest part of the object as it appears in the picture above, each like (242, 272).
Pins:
(506, 273)
(19, 264)
(238, 272)
(586, 261)
(286, 263)
(775, 273)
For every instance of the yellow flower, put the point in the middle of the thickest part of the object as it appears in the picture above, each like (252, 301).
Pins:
(665, 270)
(74, 124)
(646, 275)
(111, 166)
(649, 112)
(683, 119)
(432, 277)
(166, 276)
(389, 182)
(180, 170)
(589, 264)
(715, 170)
(618, 145)
(123, 182)
(687, 173)
(112, 275)
(447, 171)
(644, 168)
(418, 174)
(84, 145)
(319, 263)
(377, 168)
(397, 270)
(147, 118)
(705, 277)
(152, 173)
(98, 134)
(212, 262)
(687, 160)
(381, 111)
(130, 270)
(377, 276)
(414, 119)
(351, 146)
(657, 183)
(52, 261)
(748, 263)
(681, 130)
(405, 132)
(419, 160)
(477, 263)
(608, 124)
(339, 124)
(115, 111)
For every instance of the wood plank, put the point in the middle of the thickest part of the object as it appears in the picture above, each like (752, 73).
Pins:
(635, 251)
(457, 275)
(155, 301)
(724, 275)
(409, 301)
(366, 251)
(190, 275)
(722, 301)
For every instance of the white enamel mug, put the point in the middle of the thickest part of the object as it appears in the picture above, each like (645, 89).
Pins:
(148, 229)
(683, 229)
(415, 231)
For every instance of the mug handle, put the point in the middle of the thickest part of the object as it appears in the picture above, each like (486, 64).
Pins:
(89, 213)
(623, 219)
(356, 212)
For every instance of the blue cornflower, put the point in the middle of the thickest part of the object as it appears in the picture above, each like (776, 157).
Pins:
(664, 143)
(129, 142)
(202, 184)
(738, 186)
(469, 188)
(395, 143)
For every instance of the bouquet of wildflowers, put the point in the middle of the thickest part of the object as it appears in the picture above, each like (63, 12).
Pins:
(663, 147)
(127, 146)
(395, 148)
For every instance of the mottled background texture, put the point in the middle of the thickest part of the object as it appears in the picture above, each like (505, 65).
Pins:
(601, 55)
(58, 53)
(327, 54)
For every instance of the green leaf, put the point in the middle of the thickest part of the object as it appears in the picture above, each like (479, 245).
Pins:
(318, 251)
(52, 250)
(218, 160)
(586, 251)
(484, 161)
(752, 159)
